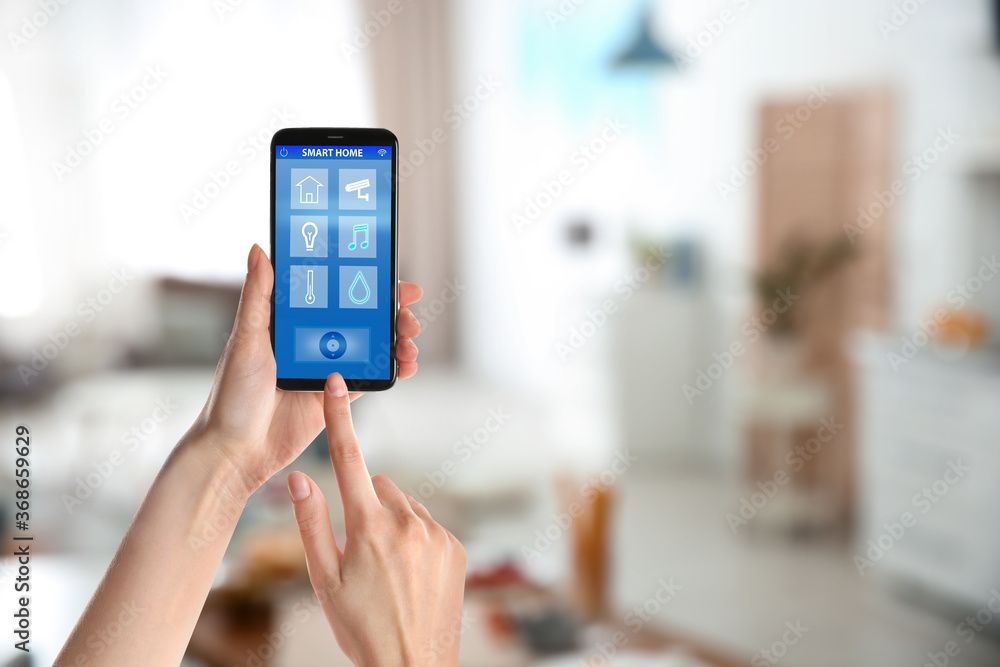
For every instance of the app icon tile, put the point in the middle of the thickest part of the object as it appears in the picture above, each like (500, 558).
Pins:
(310, 188)
(346, 345)
(309, 236)
(357, 287)
(357, 236)
(357, 189)
(308, 286)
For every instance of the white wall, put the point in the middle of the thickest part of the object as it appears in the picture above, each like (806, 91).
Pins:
(221, 77)
(527, 292)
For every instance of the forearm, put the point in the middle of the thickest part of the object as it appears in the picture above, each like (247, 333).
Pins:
(155, 587)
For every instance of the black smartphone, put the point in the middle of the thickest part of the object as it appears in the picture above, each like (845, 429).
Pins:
(333, 249)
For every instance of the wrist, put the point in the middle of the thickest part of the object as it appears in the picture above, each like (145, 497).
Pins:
(217, 472)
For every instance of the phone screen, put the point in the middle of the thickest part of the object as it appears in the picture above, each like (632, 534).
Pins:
(334, 303)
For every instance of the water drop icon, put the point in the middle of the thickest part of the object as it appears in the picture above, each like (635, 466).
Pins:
(359, 291)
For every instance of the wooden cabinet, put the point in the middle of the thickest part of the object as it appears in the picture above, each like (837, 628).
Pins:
(830, 154)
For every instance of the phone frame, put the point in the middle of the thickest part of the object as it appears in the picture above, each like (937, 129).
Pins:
(343, 136)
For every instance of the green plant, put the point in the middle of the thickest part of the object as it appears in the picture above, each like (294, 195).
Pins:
(801, 266)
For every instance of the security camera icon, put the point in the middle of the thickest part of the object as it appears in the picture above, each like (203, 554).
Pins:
(359, 187)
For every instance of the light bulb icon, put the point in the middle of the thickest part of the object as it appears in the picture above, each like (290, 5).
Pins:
(309, 231)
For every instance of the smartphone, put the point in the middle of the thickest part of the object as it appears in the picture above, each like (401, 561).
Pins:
(333, 249)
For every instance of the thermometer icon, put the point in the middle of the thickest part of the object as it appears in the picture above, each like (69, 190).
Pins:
(310, 295)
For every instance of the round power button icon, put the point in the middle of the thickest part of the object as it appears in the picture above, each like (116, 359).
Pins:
(333, 345)
(283, 152)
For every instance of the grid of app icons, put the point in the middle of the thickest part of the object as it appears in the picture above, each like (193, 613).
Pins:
(334, 279)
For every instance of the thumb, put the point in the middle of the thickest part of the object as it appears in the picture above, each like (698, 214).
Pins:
(254, 314)
(313, 518)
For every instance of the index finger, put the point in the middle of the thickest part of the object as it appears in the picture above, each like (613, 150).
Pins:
(355, 483)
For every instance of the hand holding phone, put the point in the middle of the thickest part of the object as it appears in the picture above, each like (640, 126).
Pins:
(249, 423)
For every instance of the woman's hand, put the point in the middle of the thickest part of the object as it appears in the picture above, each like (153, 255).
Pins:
(247, 431)
(393, 595)
(251, 423)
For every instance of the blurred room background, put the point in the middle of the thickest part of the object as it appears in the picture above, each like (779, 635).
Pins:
(709, 369)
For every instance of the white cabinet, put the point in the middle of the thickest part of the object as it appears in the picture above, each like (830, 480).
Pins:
(929, 445)
(659, 341)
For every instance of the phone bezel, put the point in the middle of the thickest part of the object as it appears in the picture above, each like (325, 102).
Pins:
(342, 136)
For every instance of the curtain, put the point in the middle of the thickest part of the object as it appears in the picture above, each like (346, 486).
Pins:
(411, 75)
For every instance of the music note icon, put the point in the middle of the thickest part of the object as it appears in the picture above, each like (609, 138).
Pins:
(357, 236)
(354, 242)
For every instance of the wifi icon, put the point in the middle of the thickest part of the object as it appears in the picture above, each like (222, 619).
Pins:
(382, 152)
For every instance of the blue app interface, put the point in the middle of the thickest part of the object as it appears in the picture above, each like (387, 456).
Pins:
(333, 259)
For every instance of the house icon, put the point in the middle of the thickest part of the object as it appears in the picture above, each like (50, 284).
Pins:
(308, 190)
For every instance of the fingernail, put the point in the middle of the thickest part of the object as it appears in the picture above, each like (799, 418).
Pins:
(298, 486)
(253, 257)
(336, 386)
